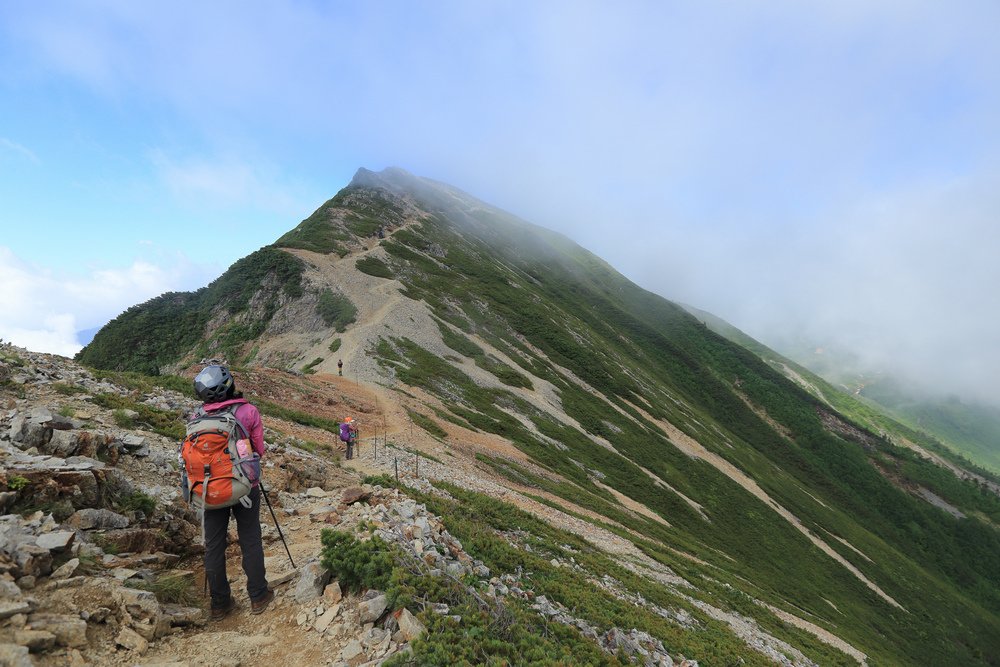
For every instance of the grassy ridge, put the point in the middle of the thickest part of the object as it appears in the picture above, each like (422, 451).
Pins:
(634, 348)
(156, 333)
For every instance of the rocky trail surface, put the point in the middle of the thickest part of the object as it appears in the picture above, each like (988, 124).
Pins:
(100, 562)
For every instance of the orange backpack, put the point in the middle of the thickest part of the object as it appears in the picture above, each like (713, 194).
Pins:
(220, 466)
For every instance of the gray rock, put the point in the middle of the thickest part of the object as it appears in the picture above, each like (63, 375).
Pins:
(370, 610)
(332, 593)
(61, 443)
(69, 630)
(352, 650)
(9, 590)
(10, 607)
(36, 641)
(131, 640)
(67, 569)
(32, 560)
(312, 580)
(30, 431)
(12, 655)
(132, 441)
(56, 541)
(98, 615)
(7, 499)
(326, 618)
(409, 626)
(91, 519)
(183, 616)
(355, 494)
(406, 509)
(455, 569)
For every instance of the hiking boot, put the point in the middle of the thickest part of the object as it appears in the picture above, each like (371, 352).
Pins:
(258, 606)
(219, 613)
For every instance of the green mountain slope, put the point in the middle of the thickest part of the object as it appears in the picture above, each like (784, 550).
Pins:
(970, 428)
(770, 496)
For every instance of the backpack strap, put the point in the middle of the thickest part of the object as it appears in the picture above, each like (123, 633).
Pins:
(231, 410)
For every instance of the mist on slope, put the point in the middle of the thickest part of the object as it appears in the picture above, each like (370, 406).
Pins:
(906, 285)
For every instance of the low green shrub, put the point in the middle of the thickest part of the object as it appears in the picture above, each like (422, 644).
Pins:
(336, 309)
(355, 564)
(373, 266)
(16, 483)
(136, 501)
(426, 423)
(67, 389)
(172, 588)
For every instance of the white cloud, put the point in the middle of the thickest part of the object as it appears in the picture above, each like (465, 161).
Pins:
(42, 310)
(19, 149)
(905, 280)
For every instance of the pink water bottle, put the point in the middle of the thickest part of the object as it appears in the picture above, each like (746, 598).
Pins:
(243, 448)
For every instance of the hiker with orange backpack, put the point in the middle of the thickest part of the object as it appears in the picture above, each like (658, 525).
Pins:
(221, 456)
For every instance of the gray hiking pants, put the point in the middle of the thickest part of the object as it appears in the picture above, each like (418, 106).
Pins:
(251, 546)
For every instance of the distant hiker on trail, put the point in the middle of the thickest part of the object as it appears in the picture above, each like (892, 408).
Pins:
(340, 366)
(349, 434)
(221, 456)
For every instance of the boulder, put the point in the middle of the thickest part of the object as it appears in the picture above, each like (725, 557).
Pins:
(61, 443)
(35, 640)
(91, 519)
(371, 609)
(409, 626)
(183, 616)
(316, 492)
(12, 655)
(31, 431)
(59, 540)
(9, 608)
(147, 617)
(133, 442)
(131, 640)
(67, 569)
(326, 618)
(32, 560)
(355, 494)
(312, 581)
(69, 630)
(332, 593)
(9, 590)
(351, 651)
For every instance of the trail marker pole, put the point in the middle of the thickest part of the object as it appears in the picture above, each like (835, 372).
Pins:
(396, 464)
(417, 466)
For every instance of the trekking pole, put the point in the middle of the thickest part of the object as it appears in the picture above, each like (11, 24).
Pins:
(273, 516)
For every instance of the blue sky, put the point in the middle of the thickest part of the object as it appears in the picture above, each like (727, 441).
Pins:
(830, 169)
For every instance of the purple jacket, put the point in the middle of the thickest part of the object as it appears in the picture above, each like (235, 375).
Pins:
(248, 416)
(345, 432)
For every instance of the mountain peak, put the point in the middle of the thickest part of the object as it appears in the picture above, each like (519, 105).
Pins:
(390, 178)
